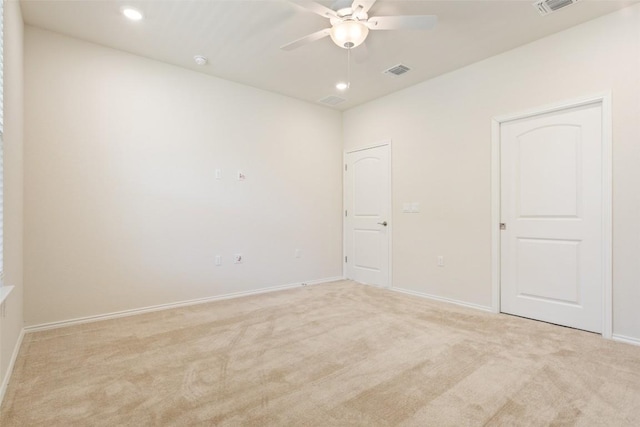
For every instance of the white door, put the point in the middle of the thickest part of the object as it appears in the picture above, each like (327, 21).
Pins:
(552, 265)
(367, 193)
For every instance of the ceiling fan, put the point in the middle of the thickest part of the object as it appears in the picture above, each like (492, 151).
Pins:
(350, 23)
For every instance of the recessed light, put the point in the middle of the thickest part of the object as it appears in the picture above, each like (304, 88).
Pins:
(342, 86)
(133, 14)
(200, 60)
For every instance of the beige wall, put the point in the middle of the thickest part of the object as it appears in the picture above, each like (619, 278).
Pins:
(441, 133)
(11, 323)
(122, 207)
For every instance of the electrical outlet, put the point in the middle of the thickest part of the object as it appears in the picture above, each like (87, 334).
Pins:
(218, 260)
(298, 253)
(218, 174)
(440, 261)
(237, 259)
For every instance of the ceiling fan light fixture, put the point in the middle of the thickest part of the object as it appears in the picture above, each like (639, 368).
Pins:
(349, 34)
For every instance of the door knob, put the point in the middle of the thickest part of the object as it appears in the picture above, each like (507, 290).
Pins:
(383, 223)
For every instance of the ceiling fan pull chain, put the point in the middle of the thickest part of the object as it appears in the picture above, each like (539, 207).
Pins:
(348, 68)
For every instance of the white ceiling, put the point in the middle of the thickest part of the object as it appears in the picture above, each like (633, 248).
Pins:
(242, 38)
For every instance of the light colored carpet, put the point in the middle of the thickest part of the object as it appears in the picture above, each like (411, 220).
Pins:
(338, 354)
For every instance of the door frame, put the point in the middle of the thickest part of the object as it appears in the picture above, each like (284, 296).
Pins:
(603, 99)
(386, 142)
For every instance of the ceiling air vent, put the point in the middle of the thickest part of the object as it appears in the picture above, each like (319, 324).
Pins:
(331, 100)
(545, 7)
(397, 70)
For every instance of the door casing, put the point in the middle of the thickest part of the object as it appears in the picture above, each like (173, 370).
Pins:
(604, 99)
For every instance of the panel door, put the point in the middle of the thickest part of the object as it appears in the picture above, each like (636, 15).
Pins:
(552, 204)
(367, 223)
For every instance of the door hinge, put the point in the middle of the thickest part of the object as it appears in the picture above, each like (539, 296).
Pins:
(345, 259)
(345, 213)
(345, 168)
(503, 226)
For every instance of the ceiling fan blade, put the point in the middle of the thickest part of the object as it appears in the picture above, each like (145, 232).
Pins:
(306, 39)
(316, 8)
(416, 22)
(364, 5)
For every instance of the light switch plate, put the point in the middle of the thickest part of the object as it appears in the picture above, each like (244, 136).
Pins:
(406, 207)
(415, 207)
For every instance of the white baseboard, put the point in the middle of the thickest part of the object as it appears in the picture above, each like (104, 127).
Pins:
(12, 362)
(443, 299)
(135, 311)
(628, 340)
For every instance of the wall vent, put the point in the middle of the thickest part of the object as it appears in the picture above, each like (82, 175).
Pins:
(397, 70)
(545, 7)
(331, 100)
